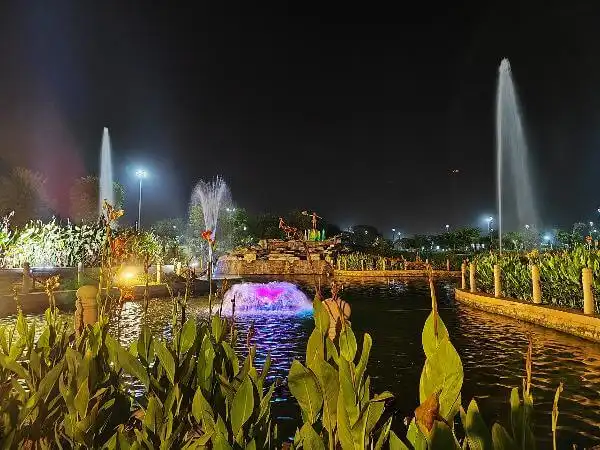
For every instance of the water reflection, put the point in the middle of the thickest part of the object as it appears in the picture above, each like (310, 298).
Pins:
(393, 312)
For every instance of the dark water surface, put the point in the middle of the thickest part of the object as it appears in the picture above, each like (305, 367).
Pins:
(491, 347)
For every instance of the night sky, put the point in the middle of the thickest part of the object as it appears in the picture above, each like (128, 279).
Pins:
(359, 113)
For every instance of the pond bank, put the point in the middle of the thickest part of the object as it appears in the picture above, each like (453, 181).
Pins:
(395, 273)
(38, 301)
(561, 319)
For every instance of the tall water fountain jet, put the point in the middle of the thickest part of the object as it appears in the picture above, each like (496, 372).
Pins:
(212, 196)
(516, 205)
(106, 188)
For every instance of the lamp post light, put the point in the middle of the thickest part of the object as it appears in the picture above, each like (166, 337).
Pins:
(447, 228)
(141, 174)
(393, 235)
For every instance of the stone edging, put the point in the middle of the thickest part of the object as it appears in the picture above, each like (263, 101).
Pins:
(567, 321)
(395, 273)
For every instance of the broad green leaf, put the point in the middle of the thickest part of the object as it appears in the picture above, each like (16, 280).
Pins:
(232, 357)
(82, 398)
(364, 357)
(21, 325)
(359, 432)
(383, 435)
(221, 428)
(330, 387)
(35, 364)
(314, 349)
(347, 343)
(166, 360)
(205, 363)
(200, 407)
(374, 412)
(501, 439)
(50, 379)
(304, 387)
(188, 335)
(442, 437)
(321, 317)
(220, 442)
(478, 435)
(218, 328)
(385, 395)
(132, 366)
(10, 364)
(443, 373)
(242, 406)
(332, 352)
(346, 386)
(153, 416)
(144, 345)
(343, 424)
(430, 342)
(310, 439)
(415, 437)
(265, 404)
(396, 443)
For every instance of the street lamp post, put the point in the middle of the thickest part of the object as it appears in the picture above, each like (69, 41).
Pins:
(393, 235)
(141, 174)
(447, 228)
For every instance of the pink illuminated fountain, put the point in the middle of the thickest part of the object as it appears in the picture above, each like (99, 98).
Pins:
(278, 297)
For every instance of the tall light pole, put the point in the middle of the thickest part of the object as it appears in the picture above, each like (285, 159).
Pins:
(393, 235)
(447, 228)
(141, 174)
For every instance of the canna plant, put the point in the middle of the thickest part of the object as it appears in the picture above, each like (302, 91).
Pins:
(333, 390)
(433, 426)
(196, 392)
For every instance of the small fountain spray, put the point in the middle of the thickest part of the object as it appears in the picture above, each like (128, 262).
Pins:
(512, 150)
(106, 189)
(212, 196)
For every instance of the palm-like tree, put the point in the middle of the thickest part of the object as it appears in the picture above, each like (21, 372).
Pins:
(25, 192)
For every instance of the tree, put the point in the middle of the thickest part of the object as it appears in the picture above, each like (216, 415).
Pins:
(84, 198)
(24, 192)
(466, 236)
(363, 236)
(266, 226)
(171, 235)
(170, 228)
(580, 231)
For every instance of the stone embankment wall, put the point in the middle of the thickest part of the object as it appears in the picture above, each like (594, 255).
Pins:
(271, 267)
(567, 321)
(395, 273)
(278, 257)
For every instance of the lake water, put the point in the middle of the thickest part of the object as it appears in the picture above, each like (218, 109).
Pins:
(491, 347)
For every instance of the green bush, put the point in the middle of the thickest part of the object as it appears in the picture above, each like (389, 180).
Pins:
(560, 274)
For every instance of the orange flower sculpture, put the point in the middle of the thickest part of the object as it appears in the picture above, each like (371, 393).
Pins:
(207, 236)
(118, 247)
